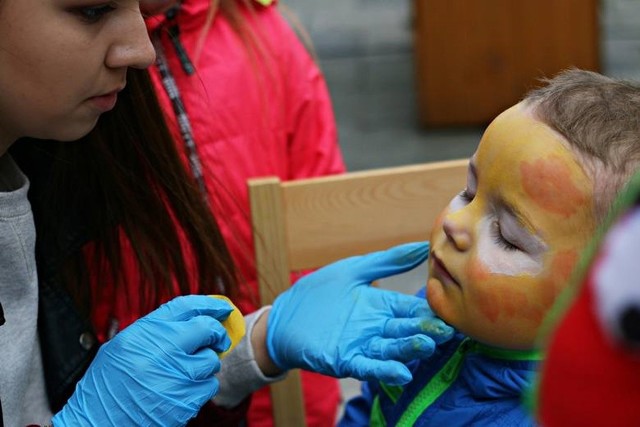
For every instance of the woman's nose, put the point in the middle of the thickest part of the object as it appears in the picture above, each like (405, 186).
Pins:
(456, 231)
(132, 47)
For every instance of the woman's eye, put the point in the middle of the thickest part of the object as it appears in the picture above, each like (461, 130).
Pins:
(499, 238)
(93, 14)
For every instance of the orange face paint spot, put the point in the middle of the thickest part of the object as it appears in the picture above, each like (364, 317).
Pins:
(563, 264)
(512, 302)
(488, 307)
(506, 303)
(518, 305)
(476, 271)
(548, 182)
(560, 272)
(486, 303)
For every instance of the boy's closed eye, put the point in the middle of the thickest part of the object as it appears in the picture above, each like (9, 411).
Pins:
(500, 239)
(466, 195)
(514, 232)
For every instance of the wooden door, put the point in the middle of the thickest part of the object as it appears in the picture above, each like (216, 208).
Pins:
(475, 58)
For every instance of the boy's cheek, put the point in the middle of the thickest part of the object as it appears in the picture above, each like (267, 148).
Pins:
(483, 294)
(518, 306)
(505, 310)
(510, 320)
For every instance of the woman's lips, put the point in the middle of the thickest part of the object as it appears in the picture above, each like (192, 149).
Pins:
(105, 102)
(441, 271)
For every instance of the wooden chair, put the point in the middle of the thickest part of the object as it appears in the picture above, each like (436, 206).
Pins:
(308, 223)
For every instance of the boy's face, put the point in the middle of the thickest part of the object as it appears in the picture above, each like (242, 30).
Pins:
(505, 247)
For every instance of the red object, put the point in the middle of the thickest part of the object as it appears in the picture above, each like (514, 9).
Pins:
(587, 379)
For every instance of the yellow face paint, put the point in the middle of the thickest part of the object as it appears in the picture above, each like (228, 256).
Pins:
(503, 250)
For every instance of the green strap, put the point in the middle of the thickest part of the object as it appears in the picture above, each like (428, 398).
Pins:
(436, 386)
(393, 392)
(265, 2)
(377, 418)
(502, 353)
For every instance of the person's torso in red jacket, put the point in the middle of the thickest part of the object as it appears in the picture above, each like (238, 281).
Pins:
(250, 116)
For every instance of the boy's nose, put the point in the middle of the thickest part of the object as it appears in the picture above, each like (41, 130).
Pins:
(456, 233)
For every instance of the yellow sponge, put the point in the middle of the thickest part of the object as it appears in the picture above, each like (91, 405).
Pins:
(234, 325)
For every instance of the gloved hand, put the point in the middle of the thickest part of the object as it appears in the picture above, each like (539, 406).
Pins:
(333, 322)
(159, 371)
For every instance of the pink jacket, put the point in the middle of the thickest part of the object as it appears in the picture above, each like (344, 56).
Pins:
(249, 118)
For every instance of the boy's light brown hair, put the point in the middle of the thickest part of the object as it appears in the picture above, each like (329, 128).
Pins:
(600, 118)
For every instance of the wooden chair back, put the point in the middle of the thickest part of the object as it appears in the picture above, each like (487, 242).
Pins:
(308, 223)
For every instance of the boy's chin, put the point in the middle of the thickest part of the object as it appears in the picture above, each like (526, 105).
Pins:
(437, 300)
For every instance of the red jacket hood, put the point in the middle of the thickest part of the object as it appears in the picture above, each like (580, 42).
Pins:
(191, 13)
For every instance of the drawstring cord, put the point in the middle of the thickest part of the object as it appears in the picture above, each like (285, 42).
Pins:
(174, 36)
(171, 88)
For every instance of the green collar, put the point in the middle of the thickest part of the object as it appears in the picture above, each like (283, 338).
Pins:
(502, 353)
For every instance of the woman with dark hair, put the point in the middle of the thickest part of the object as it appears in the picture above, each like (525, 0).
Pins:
(63, 66)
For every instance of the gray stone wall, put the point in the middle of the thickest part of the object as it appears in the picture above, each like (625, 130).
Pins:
(620, 37)
(365, 50)
(355, 28)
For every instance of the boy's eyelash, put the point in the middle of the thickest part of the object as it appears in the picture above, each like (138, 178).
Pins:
(93, 14)
(496, 233)
(466, 195)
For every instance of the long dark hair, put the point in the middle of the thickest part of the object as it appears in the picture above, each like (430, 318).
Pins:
(125, 178)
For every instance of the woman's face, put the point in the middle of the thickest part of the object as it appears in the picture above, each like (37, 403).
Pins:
(504, 248)
(62, 63)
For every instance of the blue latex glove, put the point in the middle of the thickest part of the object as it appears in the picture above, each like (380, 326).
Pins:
(333, 322)
(159, 371)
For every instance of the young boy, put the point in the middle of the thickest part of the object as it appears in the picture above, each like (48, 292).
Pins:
(544, 175)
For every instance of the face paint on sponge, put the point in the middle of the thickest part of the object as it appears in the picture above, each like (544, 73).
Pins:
(234, 325)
